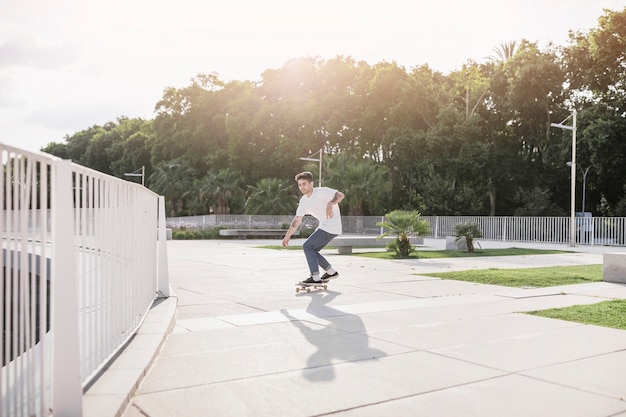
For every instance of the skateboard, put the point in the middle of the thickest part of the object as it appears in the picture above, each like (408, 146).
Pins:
(307, 287)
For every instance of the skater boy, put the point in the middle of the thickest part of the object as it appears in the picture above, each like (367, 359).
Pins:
(323, 204)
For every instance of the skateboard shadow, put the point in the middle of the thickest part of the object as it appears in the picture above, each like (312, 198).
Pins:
(342, 339)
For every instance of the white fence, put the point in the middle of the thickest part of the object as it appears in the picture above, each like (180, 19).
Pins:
(83, 257)
(589, 231)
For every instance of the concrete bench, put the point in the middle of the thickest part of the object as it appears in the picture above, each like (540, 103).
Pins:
(243, 233)
(345, 243)
(614, 267)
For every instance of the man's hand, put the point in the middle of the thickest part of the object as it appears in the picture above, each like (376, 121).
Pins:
(295, 223)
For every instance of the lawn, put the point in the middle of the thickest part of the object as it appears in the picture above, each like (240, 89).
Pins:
(606, 313)
(528, 277)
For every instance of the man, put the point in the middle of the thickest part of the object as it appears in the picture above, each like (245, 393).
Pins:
(323, 204)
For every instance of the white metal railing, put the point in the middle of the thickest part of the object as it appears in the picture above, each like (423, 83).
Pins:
(81, 264)
(589, 231)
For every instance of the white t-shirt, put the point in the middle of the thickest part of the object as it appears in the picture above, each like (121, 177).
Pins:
(316, 207)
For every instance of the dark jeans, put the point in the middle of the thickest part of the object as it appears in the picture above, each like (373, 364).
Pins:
(312, 247)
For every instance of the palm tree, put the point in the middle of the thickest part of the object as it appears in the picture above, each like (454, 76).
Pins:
(361, 180)
(468, 231)
(221, 187)
(270, 196)
(404, 224)
(173, 179)
(504, 52)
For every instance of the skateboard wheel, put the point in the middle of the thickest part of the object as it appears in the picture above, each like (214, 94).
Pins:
(297, 289)
(308, 290)
(325, 286)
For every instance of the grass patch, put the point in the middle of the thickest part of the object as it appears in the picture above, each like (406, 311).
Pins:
(528, 277)
(606, 313)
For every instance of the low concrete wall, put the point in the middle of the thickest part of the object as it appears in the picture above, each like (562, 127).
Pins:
(452, 244)
(345, 243)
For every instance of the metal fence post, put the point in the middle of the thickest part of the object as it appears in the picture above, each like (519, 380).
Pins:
(66, 380)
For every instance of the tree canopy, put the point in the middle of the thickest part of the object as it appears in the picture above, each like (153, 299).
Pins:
(475, 141)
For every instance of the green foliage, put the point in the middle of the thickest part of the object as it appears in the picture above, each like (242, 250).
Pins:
(595, 59)
(217, 189)
(610, 313)
(173, 179)
(536, 202)
(468, 231)
(363, 182)
(271, 196)
(184, 234)
(474, 141)
(403, 224)
(528, 277)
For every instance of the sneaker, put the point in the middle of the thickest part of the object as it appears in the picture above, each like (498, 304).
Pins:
(326, 277)
(310, 281)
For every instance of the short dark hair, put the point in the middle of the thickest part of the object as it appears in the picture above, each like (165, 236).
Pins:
(306, 175)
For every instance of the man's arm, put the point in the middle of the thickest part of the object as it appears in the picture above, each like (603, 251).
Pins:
(295, 224)
(336, 200)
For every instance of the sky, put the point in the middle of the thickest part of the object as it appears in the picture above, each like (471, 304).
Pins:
(67, 65)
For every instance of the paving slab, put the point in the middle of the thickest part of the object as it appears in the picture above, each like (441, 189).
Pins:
(539, 348)
(511, 395)
(611, 367)
(319, 389)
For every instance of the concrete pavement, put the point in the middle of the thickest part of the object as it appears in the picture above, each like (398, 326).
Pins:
(385, 339)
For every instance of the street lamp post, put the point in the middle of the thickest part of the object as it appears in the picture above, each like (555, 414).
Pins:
(137, 174)
(572, 232)
(585, 186)
(585, 171)
(321, 152)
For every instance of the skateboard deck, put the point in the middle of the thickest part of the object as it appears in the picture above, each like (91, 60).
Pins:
(307, 287)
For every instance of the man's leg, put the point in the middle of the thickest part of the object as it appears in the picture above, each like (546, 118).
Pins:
(312, 247)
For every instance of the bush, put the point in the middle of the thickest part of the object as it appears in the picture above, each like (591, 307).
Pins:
(468, 231)
(403, 224)
(183, 234)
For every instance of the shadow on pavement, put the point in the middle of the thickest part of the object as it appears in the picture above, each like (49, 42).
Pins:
(343, 339)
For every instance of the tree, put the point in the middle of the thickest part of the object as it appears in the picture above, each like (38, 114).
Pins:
(271, 196)
(215, 192)
(403, 224)
(596, 74)
(470, 87)
(224, 185)
(132, 152)
(595, 61)
(190, 124)
(603, 146)
(173, 179)
(361, 180)
(457, 143)
(468, 231)
(536, 202)
(504, 52)
(525, 94)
